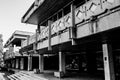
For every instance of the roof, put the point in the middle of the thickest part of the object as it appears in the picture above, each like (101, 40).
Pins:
(39, 13)
(17, 36)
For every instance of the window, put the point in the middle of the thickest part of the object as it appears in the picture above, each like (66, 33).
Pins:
(55, 17)
(44, 23)
(67, 10)
(59, 14)
(78, 3)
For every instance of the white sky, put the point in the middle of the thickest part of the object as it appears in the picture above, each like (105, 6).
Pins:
(11, 12)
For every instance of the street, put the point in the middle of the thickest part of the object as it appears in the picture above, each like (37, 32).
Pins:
(2, 76)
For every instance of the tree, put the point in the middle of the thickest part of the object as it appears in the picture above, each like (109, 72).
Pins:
(1, 47)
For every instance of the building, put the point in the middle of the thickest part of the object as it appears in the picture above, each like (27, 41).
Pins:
(13, 59)
(79, 36)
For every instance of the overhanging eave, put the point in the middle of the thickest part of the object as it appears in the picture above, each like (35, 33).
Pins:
(36, 15)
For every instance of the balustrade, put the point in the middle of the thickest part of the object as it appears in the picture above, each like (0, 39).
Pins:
(24, 43)
(82, 13)
(32, 39)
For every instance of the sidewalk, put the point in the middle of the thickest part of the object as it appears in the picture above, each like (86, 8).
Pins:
(48, 75)
(2, 76)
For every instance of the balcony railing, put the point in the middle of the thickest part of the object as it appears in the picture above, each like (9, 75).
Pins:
(32, 39)
(12, 52)
(24, 43)
(11, 55)
(83, 14)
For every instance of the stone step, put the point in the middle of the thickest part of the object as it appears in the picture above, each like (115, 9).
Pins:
(25, 76)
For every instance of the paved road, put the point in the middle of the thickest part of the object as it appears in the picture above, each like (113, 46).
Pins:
(2, 76)
(5, 75)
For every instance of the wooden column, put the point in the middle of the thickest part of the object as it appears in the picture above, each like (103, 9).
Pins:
(73, 28)
(41, 63)
(108, 61)
(49, 35)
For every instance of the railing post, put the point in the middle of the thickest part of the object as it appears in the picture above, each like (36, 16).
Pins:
(28, 40)
(49, 35)
(73, 28)
(35, 44)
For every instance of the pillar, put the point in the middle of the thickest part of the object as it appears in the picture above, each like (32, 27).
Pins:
(12, 64)
(22, 63)
(41, 63)
(17, 63)
(61, 62)
(29, 63)
(61, 72)
(108, 61)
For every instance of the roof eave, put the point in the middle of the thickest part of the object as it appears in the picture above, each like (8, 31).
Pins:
(36, 15)
(30, 11)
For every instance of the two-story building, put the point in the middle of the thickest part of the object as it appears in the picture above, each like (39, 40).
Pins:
(79, 36)
(12, 57)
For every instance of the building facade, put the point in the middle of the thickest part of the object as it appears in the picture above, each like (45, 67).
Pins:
(79, 36)
(13, 59)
